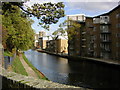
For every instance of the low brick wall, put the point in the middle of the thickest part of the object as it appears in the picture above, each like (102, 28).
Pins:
(14, 80)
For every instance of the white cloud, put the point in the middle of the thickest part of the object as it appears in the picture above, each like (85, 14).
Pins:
(91, 6)
(31, 2)
(92, 0)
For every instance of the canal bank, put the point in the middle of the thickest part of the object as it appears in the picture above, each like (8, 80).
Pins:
(20, 64)
(79, 58)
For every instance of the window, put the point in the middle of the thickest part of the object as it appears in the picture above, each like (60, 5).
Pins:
(101, 54)
(105, 37)
(118, 15)
(118, 25)
(117, 44)
(104, 28)
(95, 45)
(95, 54)
(117, 54)
(94, 29)
(118, 35)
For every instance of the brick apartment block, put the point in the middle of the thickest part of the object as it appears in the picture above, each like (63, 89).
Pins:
(98, 36)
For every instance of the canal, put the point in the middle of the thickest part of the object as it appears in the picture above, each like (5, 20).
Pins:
(82, 73)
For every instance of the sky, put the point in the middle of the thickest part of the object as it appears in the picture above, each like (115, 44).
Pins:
(87, 7)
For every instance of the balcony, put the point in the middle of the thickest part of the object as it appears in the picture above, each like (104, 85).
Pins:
(92, 41)
(105, 41)
(83, 46)
(105, 50)
(91, 50)
(104, 20)
(83, 33)
(105, 32)
(83, 39)
(78, 17)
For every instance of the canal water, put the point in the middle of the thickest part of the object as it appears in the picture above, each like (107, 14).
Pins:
(82, 73)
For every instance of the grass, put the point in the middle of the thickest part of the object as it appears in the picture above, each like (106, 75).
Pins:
(7, 53)
(39, 74)
(18, 67)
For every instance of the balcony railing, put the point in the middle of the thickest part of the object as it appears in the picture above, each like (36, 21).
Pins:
(106, 50)
(104, 22)
(83, 33)
(83, 39)
(91, 50)
(83, 46)
(105, 41)
(92, 41)
(105, 32)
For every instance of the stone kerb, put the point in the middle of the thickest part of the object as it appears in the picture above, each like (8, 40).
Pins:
(15, 80)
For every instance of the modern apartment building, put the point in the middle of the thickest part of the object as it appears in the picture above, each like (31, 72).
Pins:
(79, 44)
(98, 36)
(106, 34)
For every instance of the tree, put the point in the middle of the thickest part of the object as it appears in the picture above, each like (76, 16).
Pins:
(4, 36)
(20, 33)
(18, 24)
(59, 32)
(47, 13)
(67, 28)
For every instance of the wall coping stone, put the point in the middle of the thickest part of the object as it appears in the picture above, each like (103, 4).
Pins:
(34, 82)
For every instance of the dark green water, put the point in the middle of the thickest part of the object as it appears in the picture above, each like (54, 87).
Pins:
(83, 73)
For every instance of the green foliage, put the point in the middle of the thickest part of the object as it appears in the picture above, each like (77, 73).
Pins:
(20, 33)
(36, 71)
(68, 27)
(47, 13)
(4, 36)
(7, 53)
(73, 29)
(18, 67)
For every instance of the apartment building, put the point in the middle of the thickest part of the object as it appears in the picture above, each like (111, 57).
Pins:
(43, 41)
(106, 34)
(57, 46)
(36, 43)
(79, 44)
(62, 46)
(42, 34)
(98, 36)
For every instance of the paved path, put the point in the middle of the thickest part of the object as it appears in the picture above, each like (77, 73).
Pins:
(28, 69)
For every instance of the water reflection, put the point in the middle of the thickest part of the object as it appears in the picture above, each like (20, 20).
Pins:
(85, 74)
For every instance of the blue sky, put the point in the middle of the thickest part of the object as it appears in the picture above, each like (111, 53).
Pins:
(87, 8)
